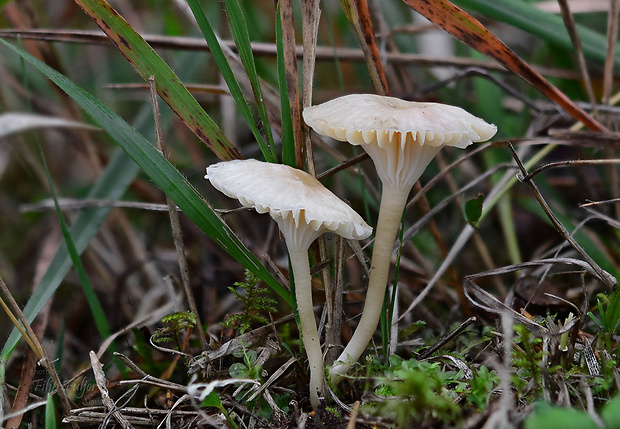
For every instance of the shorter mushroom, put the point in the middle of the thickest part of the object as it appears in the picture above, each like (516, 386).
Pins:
(303, 209)
(401, 137)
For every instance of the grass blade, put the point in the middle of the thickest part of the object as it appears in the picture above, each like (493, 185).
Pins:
(546, 25)
(287, 72)
(93, 302)
(239, 31)
(147, 63)
(210, 37)
(470, 31)
(117, 177)
(159, 169)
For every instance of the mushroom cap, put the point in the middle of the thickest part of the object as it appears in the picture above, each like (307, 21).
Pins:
(367, 118)
(289, 195)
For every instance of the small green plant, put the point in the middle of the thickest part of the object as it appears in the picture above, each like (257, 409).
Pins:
(609, 321)
(254, 301)
(176, 322)
(480, 385)
(546, 416)
(526, 376)
(247, 368)
(417, 391)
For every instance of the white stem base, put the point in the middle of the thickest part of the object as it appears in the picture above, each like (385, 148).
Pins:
(392, 204)
(303, 293)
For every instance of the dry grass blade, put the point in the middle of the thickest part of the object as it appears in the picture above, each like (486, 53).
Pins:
(290, 67)
(358, 13)
(569, 21)
(487, 302)
(470, 31)
(311, 13)
(15, 313)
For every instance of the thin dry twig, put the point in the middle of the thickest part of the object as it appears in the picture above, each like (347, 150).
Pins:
(105, 396)
(323, 53)
(15, 313)
(568, 163)
(174, 221)
(603, 275)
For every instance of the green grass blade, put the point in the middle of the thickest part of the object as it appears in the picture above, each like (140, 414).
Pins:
(268, 150)
(159, 169)
(239, 29)
(546, 25)
(169, 87)
(50, 413)
(288, 140)
(93, 302)
(118, 175)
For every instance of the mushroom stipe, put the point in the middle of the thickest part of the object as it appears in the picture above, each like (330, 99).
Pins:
(401, 137)
(303, 209)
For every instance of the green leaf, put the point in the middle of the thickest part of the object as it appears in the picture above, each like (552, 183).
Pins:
(473, 209)
(238, 370)
(548, 417)
(169, 87)
(240, 33)
(164, 174)
(212, 400)
(611, 413)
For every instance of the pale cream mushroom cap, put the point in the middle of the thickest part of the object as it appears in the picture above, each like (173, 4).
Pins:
(401, 137)
(287, 193)
(368, 118)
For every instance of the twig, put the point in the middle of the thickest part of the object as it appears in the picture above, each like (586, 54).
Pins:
(105, 396)
(568, 163)
(174, 221)
(569, 23)
(603, 275)
(447, 338)
(353, 416)
(323, 53)
(476, 71)
(15, 313)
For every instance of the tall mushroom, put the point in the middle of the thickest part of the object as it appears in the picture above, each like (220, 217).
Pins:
(401, 137)
(304, 209)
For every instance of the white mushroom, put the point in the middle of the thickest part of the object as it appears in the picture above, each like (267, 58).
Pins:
(304, 209)
(401, 137)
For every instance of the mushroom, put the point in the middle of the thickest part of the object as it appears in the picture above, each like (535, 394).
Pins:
(303, 209)
(401, 137)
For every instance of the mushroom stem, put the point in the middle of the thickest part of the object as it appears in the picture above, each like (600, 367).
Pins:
(393, 202)
(310, 336)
